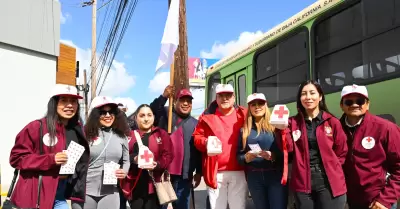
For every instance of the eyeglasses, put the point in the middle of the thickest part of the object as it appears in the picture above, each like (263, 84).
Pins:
(111, 112)
(358, 101)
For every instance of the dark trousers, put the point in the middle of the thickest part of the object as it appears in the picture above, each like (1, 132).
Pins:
(122, 200)
(145, 202)
(321, 194)
(266, 189)
(182, 189)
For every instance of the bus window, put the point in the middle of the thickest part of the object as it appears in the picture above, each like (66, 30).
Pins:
(242, 90)
(358, 59)
(232, 83)
(281, 69)
(213, 81)
(380, 15)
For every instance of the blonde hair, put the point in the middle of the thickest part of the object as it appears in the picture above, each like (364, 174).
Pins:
(262, 125)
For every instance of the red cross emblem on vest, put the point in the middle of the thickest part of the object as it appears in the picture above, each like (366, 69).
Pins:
(369, 139)
(146, 156)
(281, 112)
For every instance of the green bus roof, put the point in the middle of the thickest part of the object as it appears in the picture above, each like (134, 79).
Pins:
(297, 20)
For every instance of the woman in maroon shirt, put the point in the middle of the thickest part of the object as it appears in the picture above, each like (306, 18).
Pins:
(138, 186)
(319, 147)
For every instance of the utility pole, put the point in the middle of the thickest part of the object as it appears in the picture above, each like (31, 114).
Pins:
(93, 64)
(86, 93)
(181, 79)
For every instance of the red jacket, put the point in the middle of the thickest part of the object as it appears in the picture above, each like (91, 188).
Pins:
(25, 157)
(332, 145)
(163, 155)
(208, 126)
(367, 163)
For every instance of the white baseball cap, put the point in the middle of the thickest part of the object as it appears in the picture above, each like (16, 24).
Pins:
(256, 96)
(224, 88)
(65, 90)
(354, 89)
(100, 101)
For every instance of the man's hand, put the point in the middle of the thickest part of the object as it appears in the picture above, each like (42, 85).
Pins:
(377, 205)
(196, 180)
(169, 91)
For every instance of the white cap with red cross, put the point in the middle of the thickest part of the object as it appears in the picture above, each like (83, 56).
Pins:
(224, 88)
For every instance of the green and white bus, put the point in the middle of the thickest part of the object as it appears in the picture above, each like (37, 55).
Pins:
(337, 42)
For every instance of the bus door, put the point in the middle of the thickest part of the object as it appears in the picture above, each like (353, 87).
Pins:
(238, 81)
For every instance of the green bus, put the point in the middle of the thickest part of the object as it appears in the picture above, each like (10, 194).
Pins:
(336, 42)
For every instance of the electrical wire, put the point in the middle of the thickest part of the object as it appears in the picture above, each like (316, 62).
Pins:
(124, 15)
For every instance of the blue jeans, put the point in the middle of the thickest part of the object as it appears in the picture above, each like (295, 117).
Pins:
(394, 206)
(266, 189)
(182, 189)
(60, 202)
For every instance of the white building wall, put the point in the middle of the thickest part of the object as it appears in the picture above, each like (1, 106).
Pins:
(26, 80)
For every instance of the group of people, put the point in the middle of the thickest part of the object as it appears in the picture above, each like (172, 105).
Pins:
(353, 160)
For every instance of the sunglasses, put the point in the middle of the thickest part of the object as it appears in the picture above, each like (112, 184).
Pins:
(257, 103)
(358, 101)
(110, 112)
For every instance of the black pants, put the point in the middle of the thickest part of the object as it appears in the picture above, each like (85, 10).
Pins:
(321, 195)
(147, 202)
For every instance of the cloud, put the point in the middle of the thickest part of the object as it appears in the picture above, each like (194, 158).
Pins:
(220, 50)
(127, 56)
(118, 81)
(129, 102)
(159, 82)
(64, 17)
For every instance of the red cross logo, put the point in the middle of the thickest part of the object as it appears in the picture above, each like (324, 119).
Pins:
(146, 156)
(354, 86)
(281, 112)
(369, 139)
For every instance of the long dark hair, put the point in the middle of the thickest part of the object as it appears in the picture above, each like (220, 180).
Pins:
(322, 105)
(120, 125)
(52, 118)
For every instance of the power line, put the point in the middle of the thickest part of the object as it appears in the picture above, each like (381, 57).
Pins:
(131, 9)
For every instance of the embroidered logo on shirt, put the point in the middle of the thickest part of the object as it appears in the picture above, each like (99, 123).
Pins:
(46, 140)
(97, 141)
(328, 130)
(296, 135)
(368, 142)
(158, 139)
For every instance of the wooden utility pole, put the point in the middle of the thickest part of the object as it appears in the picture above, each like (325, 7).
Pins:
(86, 94)
(93, 64)
(179, 67)
(181, 79)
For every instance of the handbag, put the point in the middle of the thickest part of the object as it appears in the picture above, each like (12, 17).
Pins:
(165, 192)
(7, 204)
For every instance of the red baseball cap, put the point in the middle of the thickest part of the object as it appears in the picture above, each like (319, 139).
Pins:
(184, 93)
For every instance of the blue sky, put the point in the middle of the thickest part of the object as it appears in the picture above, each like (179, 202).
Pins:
(216, 28)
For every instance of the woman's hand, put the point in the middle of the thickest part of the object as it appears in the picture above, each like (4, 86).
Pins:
(61, 158)
(266, 155)
(120, 174)
(152, 167)
(249, 156)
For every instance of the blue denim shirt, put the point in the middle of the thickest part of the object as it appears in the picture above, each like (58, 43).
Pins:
(266, 141)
